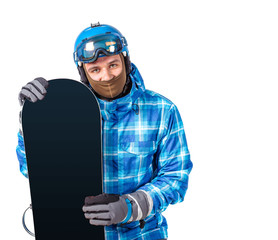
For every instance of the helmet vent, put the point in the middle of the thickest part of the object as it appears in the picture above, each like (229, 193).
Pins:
(95, 24)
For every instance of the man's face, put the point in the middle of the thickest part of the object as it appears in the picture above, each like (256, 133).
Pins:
(104, 68)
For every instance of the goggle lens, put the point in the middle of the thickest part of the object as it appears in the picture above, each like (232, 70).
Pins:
(90, 49)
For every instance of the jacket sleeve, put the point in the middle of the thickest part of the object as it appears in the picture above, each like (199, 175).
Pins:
(173, 165)
(20, 151)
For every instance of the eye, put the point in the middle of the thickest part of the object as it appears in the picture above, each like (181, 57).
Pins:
(114, 65)
(94, 70)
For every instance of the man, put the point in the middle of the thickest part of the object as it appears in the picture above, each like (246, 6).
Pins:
(145, 155)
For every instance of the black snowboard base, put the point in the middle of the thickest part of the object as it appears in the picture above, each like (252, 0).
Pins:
(62, 138)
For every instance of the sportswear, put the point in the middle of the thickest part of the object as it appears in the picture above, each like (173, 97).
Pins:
(144, 148)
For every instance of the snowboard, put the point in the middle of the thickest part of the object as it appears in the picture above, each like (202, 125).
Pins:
(62, 139)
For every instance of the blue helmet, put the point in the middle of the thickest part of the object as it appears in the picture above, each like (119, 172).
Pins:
(98, 41)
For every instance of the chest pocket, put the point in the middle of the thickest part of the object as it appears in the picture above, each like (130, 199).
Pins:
(136, 163)
(139, 147)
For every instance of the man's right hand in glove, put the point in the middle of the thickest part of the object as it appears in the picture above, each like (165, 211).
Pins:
(33, 91)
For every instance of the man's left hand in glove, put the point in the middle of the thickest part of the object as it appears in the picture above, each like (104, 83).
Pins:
(107, 209)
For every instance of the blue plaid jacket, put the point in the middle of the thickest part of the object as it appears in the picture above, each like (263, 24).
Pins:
(144, 147)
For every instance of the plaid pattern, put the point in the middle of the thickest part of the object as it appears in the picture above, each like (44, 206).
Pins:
(20, 151)
(144, 147)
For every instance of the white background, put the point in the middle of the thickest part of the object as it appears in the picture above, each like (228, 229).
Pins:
(216, 60)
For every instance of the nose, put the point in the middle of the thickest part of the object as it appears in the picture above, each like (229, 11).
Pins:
(106, 75)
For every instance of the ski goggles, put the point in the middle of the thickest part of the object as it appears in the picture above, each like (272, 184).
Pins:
(102, 45)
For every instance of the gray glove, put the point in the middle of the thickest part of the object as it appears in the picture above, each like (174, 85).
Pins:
(142, 205)
(33, 91)
(107, 209)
